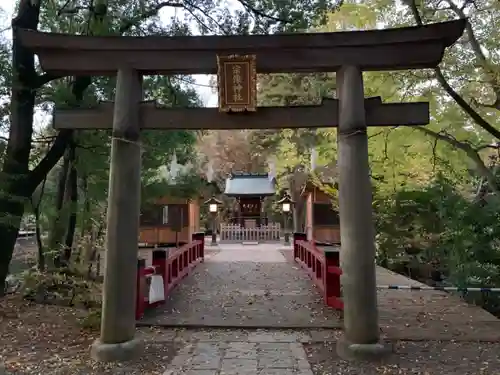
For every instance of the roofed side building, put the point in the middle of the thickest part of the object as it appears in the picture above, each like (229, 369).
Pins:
(322, 219)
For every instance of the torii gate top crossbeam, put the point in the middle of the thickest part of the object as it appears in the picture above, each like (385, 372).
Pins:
(390, 49)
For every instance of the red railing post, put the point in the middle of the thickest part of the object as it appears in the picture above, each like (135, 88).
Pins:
(160, 262)
(200, 236)
(141, 288)
(296, 250)
(332, 279)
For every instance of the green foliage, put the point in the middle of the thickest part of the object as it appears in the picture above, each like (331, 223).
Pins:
(59, 288)
(188, 186)
(91, 321)
(331, 189)
(440, 226)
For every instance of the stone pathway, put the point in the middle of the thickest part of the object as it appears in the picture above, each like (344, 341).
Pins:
(312, 352)
(245, 286)
(254, 353)
(241, 358)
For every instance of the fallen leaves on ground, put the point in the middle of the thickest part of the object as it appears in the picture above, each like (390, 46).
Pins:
(43, 339)
(412, 357)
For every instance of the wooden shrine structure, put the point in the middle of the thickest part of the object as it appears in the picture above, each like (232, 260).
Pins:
(249, 190)
(237, 59)
(322, 220)
(169, 222)
(249, 221)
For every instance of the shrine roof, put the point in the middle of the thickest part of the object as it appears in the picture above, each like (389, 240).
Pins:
(249, 185)
(310, 186)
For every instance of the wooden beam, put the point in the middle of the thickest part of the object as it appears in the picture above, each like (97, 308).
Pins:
(324, 115)
(391, 49)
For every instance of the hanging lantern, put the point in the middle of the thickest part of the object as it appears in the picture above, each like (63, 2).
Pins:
(286, 204)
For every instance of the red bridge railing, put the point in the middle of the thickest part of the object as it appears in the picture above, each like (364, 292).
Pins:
(322, 266)
(168, 269)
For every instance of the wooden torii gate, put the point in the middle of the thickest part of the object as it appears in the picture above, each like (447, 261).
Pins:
(346, 53)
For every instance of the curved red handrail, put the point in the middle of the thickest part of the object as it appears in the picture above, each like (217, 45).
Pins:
(324, 270)
(172, 267)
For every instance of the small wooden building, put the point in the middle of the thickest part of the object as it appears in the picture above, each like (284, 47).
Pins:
(169, 222)
(322, 220)
(249, 189)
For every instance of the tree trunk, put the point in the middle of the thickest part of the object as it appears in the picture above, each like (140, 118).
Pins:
(73, 203)
(62, 182)
(17, 182)
(86, 226)
(58, 228)
(16, 162)
(298, 215)
(38, 232)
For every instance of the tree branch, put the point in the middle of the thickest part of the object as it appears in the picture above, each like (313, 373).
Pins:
(206, 15)
(482, 169)
(45, 78)
(478, 119)
(127, 24)
(480, 56)
(494, 146)
(259, 12)
(37, 175)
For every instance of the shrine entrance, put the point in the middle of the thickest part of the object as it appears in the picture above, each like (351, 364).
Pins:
(248, 220)
(236, 60)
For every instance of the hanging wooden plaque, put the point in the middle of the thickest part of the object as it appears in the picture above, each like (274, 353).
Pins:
(237, 82)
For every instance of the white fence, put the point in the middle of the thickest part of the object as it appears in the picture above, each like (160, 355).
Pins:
(236, 233)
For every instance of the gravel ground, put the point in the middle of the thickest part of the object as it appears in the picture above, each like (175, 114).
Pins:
(423, 358)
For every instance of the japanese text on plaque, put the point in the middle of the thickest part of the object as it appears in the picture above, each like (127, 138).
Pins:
(237, 83)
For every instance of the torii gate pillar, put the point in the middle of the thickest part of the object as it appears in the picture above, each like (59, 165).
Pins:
(357, 258)
(117, 341)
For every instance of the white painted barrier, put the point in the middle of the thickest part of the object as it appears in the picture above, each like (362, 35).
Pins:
(236, 233)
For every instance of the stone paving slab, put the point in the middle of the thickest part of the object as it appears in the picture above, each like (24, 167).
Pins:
(240, 358)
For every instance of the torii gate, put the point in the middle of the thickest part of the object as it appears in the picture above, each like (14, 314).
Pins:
(347, 53)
